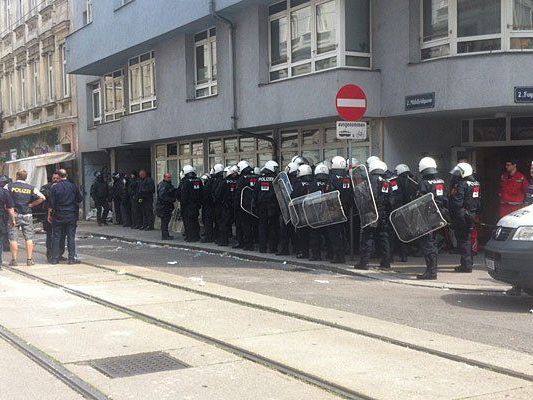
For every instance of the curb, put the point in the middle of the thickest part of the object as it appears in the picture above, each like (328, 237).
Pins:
(390, 277)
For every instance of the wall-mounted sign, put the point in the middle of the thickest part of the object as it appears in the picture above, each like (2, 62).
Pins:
(523, 94)
(13, 154)
(351, 130)
(419, 101)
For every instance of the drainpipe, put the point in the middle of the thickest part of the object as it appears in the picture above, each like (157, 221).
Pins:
(234, 117)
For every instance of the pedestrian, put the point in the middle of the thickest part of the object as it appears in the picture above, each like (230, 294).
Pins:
(46, 191)
(321, 183)
(301, 188)
(116, 197)
(244, 221)
(513, 189)
(166, 197)
(407, 189)
(145, 198)
(191, 189)
(464, 204)
(267, 208)
(225, 195)
(25, 198)
(377, 234)
(208, 207)
(63, 213)
(217, 179)
(529, 196)
(7, 217)
(101, 195)
(287, 233)
(431, 183)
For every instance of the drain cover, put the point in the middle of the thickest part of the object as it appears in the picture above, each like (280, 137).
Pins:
(137, 364)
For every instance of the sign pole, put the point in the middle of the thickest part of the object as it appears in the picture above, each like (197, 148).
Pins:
(352, 236)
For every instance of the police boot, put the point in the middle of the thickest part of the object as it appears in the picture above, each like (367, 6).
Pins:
(431, 270)
(362, 266)
(463, 269)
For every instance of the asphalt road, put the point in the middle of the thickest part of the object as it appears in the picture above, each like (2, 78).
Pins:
(483, 317)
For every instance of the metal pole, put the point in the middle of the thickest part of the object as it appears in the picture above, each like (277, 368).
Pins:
(352, 242)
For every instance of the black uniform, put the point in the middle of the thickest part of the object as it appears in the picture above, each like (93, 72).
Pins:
(378, 233)
(145, 193)
(47, 226)
(125, 204)
(217, 180)
(116, 197)
(321, 183)
(191, 189)
(430, 183)
(101, 195)
(407, 190)
(268, 212)
(338, 234)
(225, 195)
(302, 187)
(465, 204)
(208, 210)
(287, 233)
(6, 202)
(244, 221)
(133, 195)
(166, 196)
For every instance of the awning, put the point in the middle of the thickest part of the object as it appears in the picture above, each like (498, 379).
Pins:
(36, 166)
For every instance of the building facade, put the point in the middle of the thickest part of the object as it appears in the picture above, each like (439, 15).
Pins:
(205, 81)
(38, 108)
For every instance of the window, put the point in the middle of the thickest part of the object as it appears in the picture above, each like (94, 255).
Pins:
(22, 87)
(304, 36)
(230, 150)
(96, 103)
(88, 12)
(35, 82)
(6, 5)
(50, 75)
(11, 94)
(455, 27)
(65, 79)
(114, 95)
(20, 10)
(142, 82)
(205, 61)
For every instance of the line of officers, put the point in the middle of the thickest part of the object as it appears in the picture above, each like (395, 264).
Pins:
(218, 196)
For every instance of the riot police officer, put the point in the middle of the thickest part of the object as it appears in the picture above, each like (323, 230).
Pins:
(431, 183)
(244, 221)
(225, 195)
(267, 208)
(287, 233)
(132, 190)
(465, 204)
(216, 181)
(407, 189)
(377, 233)
(341, 181)
(166, 196)
(116, 197)
(7, 215)
(302, 188)
(101, 195)
(191, 189)
(321, 183)
(208, 207)
(145, 193)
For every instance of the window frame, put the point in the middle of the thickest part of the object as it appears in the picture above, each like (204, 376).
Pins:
(212, 84)
(50, 76)
(115, 113)
(35, 82)
(22, 87)
(65, 78)
(11, 93)
(506, 35)
(96, 88)
(149, 101)
(339, 52)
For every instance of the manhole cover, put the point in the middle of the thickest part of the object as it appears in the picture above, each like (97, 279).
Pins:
(137, 364)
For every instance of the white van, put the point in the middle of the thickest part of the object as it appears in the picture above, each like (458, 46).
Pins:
(509, 253)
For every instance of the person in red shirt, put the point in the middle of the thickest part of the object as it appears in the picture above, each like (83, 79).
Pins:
(513, 189)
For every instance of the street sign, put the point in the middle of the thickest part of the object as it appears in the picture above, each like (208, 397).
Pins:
(523, 94)
(351, 102)
(420, 101)
(351, 130)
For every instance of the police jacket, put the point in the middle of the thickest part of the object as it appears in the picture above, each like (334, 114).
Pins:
(100, 191)
(217, 180)
(146, 189)
(302, 186)
(64, 201)
(407, 187)
(166, 196)
(191, 189)
(118, 189)
(264, 192)
(320, 185)
(132, 187)
(6, 202)
(341, 181)
(433, 184)
(465, 201)
(23, 194)
(208, 201)
(246, 179)
(383, 192)
(226, 192)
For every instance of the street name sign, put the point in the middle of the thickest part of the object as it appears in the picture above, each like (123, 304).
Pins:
(523, 94)
(351, 130)
(420, 101)
(351, 102)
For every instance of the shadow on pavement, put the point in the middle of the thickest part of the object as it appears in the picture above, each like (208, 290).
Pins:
(491, 302)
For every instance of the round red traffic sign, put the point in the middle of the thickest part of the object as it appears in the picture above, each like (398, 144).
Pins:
(351, 102)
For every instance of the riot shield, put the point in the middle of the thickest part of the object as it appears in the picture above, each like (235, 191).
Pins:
(296, 209)
(248, 201)
(417, 218)
(364, 197)
(283, 189)
(324, 210)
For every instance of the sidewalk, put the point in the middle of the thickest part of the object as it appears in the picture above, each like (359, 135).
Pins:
(402, 273)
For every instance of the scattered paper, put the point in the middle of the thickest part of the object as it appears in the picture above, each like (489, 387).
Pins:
(321, 281)
(199, 280)
(121, 272)
(172, 262)
(102, 238)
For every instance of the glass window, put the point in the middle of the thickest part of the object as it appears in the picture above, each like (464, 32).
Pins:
(197, 148)
(215, 147)
(114, 95)
(96, 104)
(185, 149)
(172, 149)
(326, 27)
(478, 17)
(172, 167)
(289, 140)
(278, 41)
(301, 34)
(465, 131)
(313, 156)
(331, 135)
(141, 73)
(231, 146)
(247, 144)
(205, 60)
(330, 153)
(264, 145)
(311, 137)
(160, 151)
(161, 168)
(522, 15)
(522, 128)
(357, 26)
(489, 130)
(360, 153)
(435, 19)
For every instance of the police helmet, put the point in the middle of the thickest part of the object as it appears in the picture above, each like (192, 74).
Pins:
(304, 170)
(338, 162)
(401, 169)
(291, 168)
(377, 167)
(321, 169)
(427, 166)
(464, 170)
(242, 165)
(300, 160)
(218, 168)
(187, 169)
(232, 170)
(271, 166)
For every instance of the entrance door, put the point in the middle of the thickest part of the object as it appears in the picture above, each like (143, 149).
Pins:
(490, 166)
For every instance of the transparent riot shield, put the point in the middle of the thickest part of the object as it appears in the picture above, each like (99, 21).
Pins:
(283, 189)
(296, 209)
(417, 218)
(364, 197)
(248, 201)
(324, 210)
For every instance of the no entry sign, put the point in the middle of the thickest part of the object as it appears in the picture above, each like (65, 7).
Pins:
(351, 102)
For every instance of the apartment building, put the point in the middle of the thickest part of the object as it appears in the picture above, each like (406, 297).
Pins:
(166, 83)
(37, 102)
